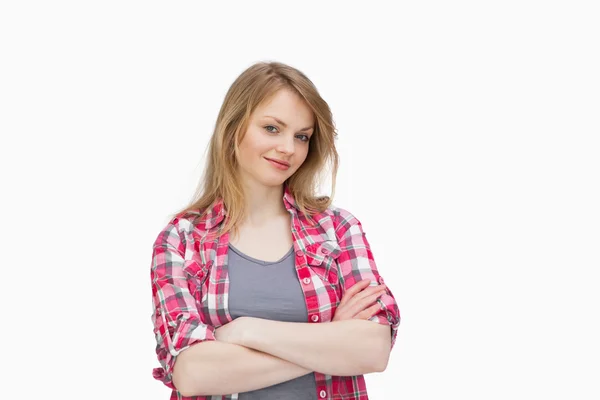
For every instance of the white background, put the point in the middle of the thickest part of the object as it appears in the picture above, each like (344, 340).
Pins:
(468, 136)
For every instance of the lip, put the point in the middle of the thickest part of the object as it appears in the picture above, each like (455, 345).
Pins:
(278, 164)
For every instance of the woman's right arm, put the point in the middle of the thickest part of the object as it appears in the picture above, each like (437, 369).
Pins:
(218, 368)
(193, 361)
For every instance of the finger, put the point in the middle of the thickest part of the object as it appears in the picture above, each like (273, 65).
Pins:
(357, 287)
(354, 307)
(342, 313)
(369, 291)
(369, 312)
(364, 303)
(372, 289)
(347, 304)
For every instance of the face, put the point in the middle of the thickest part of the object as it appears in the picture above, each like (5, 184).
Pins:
(278, 132)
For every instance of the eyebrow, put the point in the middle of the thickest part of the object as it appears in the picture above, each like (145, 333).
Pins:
(285, 125)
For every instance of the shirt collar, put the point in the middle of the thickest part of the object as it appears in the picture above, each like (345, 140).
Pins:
(217, 212)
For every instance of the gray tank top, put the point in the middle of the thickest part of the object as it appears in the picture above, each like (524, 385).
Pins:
(269, 290)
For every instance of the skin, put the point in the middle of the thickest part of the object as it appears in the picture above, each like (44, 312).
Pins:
(265, 137)
(279, 129)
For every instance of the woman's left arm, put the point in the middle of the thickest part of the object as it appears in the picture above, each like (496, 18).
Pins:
(356, 262)
(349, 347)
(341, 348)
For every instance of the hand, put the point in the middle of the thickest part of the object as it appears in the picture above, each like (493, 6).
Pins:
(355, 305)
(231, 332)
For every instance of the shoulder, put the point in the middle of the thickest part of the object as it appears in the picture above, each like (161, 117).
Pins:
(338, 218)
(181, 228)
(342, 215)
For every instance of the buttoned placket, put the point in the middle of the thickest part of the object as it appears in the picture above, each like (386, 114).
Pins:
(304, 276)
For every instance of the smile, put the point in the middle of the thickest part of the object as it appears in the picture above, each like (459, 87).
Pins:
(277, 165)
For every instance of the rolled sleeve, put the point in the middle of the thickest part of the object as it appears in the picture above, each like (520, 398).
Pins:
(356, 262)
(176, 319)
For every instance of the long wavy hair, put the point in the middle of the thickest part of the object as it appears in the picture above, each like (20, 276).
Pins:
(255, 85)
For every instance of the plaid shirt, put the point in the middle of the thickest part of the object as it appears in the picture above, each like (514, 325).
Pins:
(190, 284)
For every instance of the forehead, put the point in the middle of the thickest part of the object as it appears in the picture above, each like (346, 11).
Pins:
(287, 106)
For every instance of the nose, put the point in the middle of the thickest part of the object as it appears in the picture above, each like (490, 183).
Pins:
(286, 145)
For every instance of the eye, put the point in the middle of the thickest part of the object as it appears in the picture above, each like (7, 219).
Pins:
(304, 138)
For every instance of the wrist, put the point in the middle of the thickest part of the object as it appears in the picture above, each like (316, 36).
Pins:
(249, 331)
(244, 331)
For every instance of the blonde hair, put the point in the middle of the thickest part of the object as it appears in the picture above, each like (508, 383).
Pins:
(255, 85)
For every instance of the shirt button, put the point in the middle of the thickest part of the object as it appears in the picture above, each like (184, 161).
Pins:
(323, 394)
(380, 280)
(299, 253)
(306, 280)
(314, 318)
(324, 250)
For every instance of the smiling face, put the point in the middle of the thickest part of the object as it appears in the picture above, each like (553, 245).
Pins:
(278, 130)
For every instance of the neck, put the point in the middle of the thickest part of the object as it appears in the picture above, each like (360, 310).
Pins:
(264, 203)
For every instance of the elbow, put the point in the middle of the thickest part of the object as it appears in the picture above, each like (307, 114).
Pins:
(184, 388)
(185, 391)
(183, 380)
(192, 372)
(378, 362)
(188, 392)
(382, 350)
(381, 363)
(382, 358)
(191, 380)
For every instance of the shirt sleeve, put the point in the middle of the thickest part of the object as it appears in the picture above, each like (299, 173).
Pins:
(356, 263)
(177, 322)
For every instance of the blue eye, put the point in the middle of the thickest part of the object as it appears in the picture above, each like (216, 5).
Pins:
(305, 139)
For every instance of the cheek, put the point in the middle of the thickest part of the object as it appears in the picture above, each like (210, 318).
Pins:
(248, 145)
(256, 142)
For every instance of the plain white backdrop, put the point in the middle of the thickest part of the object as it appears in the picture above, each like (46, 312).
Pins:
(469, 149)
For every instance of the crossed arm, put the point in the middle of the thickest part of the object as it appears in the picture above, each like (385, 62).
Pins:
(252, 353)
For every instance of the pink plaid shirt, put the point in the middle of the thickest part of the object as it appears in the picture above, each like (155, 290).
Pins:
(188, 306)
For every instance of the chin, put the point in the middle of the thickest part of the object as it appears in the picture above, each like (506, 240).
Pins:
(273, 178)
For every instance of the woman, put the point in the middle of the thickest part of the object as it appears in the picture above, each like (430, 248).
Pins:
(262, 290)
